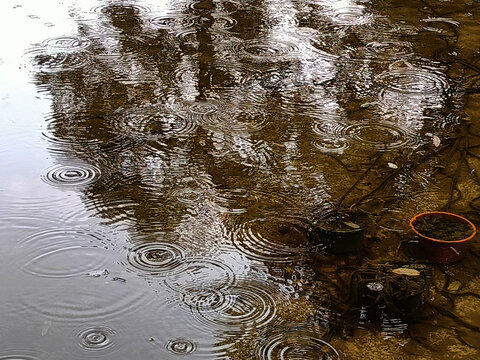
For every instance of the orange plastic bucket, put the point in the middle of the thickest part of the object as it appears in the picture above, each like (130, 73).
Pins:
(444, 251)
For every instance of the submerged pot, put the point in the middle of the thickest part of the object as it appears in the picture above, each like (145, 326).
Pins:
(439, 244)
(338, 241)
(339, 232)
(401, 289)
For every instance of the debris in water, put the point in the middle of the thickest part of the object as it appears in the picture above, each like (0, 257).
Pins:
(98, 273)
(119, 279)
(392, 165)
(375, 286)
(46, 327)
(406, 271)
(351, 224)
(400, 65)
(401, 290)
(436, 140)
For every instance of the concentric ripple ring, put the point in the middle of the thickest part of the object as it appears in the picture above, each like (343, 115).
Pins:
(298, 344)
(181, 346)
(381, 136)
(96, 338)
(156, 258)
(248, 304)
(71, 175)
(415, 81)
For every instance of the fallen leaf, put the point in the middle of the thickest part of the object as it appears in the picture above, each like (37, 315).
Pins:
(436, 140)
(392, 165)
(406, 271)
(351, 224)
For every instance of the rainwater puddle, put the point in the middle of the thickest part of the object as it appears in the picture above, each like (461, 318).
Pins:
(234, 180)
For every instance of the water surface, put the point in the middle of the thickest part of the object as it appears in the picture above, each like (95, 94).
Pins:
(164, 164)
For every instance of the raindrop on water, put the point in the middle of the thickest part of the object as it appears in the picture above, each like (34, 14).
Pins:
(157, 258)
(181, 346)
(96, 338)
(71, 175)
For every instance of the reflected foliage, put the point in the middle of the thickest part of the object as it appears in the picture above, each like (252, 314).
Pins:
(224, 124)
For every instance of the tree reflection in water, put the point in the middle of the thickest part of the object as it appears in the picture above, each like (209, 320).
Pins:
(223, 128)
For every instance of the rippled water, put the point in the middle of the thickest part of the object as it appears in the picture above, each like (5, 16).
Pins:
(165, 164)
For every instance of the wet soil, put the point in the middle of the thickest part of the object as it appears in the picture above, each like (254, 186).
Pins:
(443, 228)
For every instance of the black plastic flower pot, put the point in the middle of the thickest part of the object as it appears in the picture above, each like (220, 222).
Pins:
(337, 241)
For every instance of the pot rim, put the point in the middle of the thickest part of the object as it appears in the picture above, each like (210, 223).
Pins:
(448, 214)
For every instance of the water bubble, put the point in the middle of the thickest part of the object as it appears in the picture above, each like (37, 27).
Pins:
(181, 346)
(96, 338)
(296, 343)
(71, 175)
(157, 258)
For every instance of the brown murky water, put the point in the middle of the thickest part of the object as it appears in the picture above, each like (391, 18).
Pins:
(164, 164)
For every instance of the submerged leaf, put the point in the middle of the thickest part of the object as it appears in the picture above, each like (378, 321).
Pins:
(406, 271)
(351, 224)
